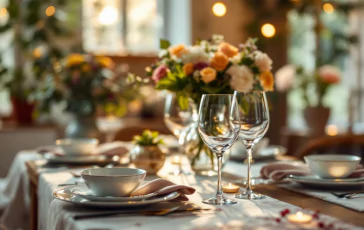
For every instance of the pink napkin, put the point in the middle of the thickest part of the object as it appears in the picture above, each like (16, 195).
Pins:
(279, 170)
(161, 187)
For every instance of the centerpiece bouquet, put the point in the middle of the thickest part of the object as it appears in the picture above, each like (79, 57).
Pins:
(210, 67)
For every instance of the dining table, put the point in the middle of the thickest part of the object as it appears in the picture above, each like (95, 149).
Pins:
(46, 212)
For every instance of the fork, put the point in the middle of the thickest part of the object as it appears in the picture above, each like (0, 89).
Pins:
(347, 195)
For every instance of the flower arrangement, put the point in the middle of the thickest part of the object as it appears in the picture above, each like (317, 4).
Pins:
(86, 83)
(321, 79)
(148, 138)
(211, 66)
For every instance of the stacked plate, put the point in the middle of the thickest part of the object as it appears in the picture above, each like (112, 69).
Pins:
(111, 188)
(318, 182)
(80, 195)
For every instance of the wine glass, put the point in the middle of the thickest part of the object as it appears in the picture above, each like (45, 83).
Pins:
(178, 122)
(218, 129)
(254, 121)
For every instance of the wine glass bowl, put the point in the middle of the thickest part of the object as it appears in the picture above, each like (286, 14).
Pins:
(218, 129)
(254, 123)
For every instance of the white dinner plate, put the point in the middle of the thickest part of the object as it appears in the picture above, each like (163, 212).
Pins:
(315, 181)
(65, 194)
(88, 159)
(83, 191)
(265, 153)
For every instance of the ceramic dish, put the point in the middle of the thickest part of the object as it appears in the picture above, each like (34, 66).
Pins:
(66, 195)
(77, 146)
(94, 159)
(83, 192)
(316, 181)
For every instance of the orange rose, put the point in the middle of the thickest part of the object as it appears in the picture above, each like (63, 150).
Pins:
(228, 49)
(219, 61)
(208, 74)
(266, 81)
(177, 50)
(188, 68)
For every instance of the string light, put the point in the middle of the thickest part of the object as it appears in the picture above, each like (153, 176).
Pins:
(328, 8)
(50, 11)
(219, 9)
(37, 52)
(268, 30)
(108, 16)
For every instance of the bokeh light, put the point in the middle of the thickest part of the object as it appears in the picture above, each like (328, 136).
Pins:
(268, 30)
(108, 16)
(3, 12)
(219, 9)
(332, 130)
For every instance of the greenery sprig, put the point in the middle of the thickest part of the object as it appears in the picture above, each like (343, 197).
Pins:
(148, 138)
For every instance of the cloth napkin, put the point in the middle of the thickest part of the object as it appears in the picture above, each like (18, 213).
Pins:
(279, 170)
(162, 187)
(108, 149)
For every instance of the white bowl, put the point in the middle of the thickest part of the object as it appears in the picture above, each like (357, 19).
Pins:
(113, 181)
(332, 166)
(77, 146)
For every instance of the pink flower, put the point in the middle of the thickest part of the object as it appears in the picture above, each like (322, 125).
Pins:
(329, 74)
(201, 65)
(159, 73)
(285, 77)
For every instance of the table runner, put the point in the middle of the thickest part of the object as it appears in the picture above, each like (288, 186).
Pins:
(246, 214)
(356, 203)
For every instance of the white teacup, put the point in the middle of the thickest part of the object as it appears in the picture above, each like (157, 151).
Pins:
(77, 146)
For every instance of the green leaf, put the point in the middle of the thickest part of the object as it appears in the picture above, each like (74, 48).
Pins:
(183, 102)
(164, 44)
(211, 90)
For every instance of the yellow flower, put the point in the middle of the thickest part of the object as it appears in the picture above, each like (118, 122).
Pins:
(188, 68)
(85, 68)
(266, 81)
(208, 74)
(105, 62)
(74, 59)
(228, 49)
(177, 50)
(219, 61)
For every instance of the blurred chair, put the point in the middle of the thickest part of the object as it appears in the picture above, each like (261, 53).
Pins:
(349, 144)
(127, 133)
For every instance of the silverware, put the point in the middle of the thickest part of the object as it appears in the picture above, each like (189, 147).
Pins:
(162, 212)
(68, 184)
(346, 195)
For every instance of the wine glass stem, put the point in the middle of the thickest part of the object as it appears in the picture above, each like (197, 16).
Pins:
(248, 187)
(219, 193)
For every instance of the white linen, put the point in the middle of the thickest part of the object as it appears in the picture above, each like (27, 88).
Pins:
(15, 195)
(355, 203)
(246, 214)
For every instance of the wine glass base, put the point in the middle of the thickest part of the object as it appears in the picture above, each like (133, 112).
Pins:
(219, 201)
(250, 195)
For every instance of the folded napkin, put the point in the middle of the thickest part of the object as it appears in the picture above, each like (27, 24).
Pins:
(279, 170)
(162, 187)
(108, 149)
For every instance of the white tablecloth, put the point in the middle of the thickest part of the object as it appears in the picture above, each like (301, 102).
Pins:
(246, 214)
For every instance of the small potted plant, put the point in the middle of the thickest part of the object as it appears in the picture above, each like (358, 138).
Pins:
(146, 154)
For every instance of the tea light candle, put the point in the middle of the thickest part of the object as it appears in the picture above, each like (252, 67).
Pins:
(299, 217)
(230, 188)
(176, 160)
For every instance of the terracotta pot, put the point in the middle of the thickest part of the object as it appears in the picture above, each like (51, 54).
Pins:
(316, 119)
(22, 110)
(149, 158)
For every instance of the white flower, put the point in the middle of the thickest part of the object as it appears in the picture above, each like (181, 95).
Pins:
(236, 59)
(195, 54)
(263, 61)
(242, 78)
(285, 77)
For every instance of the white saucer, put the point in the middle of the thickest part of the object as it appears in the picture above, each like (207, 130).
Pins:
(315, 181)
(77, 159)
(84, 192)
(65, 194)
